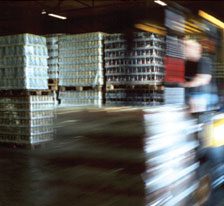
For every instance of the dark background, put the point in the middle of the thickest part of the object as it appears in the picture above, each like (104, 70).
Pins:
(89, 15)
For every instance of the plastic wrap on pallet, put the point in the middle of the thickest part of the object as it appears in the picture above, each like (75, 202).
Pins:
(54, 47)
(23, 83)
(23, 62)
(135, 97)
(18, 72)
(138, 166)
(81, 52)
(25, 122)
(77, 102)
(22, 39)
(26, 119)
(89, 81)
(26, 61)
(81, 78)
(53, 75)
(53, 52)
(82, 37)
(81, 64)
(53, 60)
(26, 115)
(26, 139)
(89, 97)
(142, 64)
(80, 60)
(98, 66)
(23, 50)
(52, 40)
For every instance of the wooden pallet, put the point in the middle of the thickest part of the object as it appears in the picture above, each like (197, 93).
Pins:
(81, 88)
(136, 87)
(53, 81)
(53, 84)
(53, 87)
(39, 145)
(24, 92)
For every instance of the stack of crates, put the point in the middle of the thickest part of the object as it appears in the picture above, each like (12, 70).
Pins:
(26, 105)
(23, 62)
(53, 63)
(81, 69)
(175, 70)
(53, 66)
(134, 75)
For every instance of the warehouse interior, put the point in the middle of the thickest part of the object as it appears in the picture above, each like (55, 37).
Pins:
(95, 105)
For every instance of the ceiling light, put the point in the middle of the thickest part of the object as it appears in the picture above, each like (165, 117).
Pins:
(43, 12)
(160, 2)
(57, 16)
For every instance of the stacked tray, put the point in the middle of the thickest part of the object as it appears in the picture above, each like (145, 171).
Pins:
(142, 64)
(53, 53)
(23, 62)
(81, 53)
(26, 119)
(81, 66)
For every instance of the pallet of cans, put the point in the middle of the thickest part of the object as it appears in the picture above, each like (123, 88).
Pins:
(81, 66)
(26, 105)
(88, 97)
(141, 64)
(53, 60)
(26, 119)
(135, 96)
(125, 159)
(23, 62)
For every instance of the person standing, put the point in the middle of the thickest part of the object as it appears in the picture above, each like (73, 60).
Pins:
(198, 76)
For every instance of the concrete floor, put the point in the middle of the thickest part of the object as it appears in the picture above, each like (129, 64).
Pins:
(47, 177)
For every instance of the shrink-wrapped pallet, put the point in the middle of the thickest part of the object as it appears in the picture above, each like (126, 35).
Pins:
(23, 62)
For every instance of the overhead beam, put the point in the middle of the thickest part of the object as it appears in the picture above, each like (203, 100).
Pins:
(83, 3)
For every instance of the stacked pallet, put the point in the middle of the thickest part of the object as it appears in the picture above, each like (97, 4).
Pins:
(125, 159)
(53, 67)
(23, 62)
(175, 70)
(26, 105)
(134, 76)
(26, 118)
(81, 69)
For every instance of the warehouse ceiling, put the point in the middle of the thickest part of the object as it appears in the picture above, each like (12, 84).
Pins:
(87, 15)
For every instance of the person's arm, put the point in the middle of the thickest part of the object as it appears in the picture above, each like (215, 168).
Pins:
(203, 76)
(198, 80)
